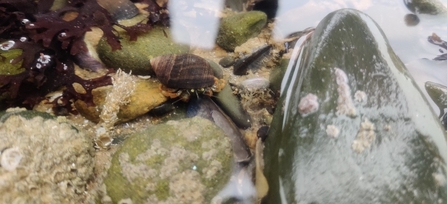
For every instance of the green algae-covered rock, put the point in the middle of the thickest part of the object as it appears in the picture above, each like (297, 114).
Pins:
(6, 68)
(43, 160)
(352, 125)
(135, 55)
(432, 7)
(237, 29)
(186, 161)
(277, 74)
(232, 106)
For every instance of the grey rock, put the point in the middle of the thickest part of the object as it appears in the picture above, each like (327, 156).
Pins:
(352, 126)
(432, 7)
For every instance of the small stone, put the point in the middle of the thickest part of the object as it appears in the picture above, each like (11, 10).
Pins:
(227, 61)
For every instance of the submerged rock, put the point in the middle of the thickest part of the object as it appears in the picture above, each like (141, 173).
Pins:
(135, 55)
(438, 94)
(373, 138)
(237, 29)
(8, 68)
(186, 161)
(142, 96)
(231, 105)
(43, 160)
(432, 7)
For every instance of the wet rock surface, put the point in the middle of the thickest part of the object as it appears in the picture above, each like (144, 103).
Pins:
(135, 55)
(372, 138)
(187, 161)
(237, 29)
(143, 95)
(43, 159)
(432, 7)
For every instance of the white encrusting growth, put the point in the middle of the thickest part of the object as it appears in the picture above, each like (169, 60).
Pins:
(365, 137)
(308, 104)
(10, 158)
(360, 97)
(332, 131)
(44, 59)
(345, 105)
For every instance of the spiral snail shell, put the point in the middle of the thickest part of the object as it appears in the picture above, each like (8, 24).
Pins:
(183, 71)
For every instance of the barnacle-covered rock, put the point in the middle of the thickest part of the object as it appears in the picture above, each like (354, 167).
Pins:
(373, 138)
(43, 160)
(135, 55)
(237, 29)
(186, 161)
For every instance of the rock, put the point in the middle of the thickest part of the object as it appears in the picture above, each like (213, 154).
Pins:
(135, 55)
(186, 161)
(145, 96)
(206, 108)
(217, 70)
(235, 30)
(438, 93)
(432, 7)
(6, 68)
(373, 137)
(231, 105)
(411, 19)
(277, 74)
(43, 159)
(227, 61)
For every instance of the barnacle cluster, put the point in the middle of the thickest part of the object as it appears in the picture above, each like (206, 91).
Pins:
(43, 159)
(50, 41)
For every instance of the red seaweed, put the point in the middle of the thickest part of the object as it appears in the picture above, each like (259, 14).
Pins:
(50, 40)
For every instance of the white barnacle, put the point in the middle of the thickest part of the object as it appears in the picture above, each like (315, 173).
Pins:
(65, 66)
(44, 59)
(38, 65)
(23, 39)
(25, 21)
(7, 45)
(10, 158)
(365, 137)
(332, 131)
(63, 35)
(308, 104)
(345, 105)
(360, 96)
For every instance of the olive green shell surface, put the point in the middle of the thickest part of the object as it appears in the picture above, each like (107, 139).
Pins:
(184, 71)
(390, 148)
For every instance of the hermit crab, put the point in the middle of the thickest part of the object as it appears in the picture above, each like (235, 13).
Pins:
(183, 74)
